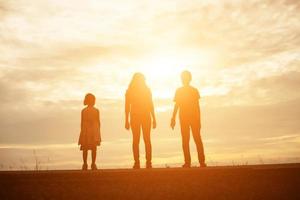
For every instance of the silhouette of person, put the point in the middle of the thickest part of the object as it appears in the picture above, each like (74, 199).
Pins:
(187, 101)
(139, 108)
(90, 136)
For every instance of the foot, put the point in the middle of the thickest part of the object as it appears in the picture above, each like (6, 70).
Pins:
(136, 166)
(186, 165)
(94, 167)
(203, 164)
(84, 167)
(148, 165)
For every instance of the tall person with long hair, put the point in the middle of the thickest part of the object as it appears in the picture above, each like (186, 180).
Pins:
(140, 115)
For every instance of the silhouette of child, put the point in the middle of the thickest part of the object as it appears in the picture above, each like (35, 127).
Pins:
(187, 101)
(89, 137)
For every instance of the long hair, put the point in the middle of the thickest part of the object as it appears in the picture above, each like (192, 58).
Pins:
(137, 82)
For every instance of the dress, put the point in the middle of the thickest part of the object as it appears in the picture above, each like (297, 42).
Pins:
(90, 129)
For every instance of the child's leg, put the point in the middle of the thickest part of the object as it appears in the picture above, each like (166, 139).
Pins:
(84, 156)
(94, 154)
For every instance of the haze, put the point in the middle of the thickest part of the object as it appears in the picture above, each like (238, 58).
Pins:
(244, 56)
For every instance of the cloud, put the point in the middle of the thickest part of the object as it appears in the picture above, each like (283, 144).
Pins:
(241, 31)
(261, 133)
(3, 8)
(261, 91)
(53, 52)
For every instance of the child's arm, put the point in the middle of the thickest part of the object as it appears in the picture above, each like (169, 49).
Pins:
(98, 118)
(81, 128)
(99, 124)
(81, 121)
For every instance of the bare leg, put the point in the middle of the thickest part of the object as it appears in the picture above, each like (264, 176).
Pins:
(84, 156)
(94, 154)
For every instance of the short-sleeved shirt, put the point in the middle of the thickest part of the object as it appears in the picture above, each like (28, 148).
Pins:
(187, 99)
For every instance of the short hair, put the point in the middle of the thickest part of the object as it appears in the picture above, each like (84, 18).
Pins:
(89, 100)
(186, 75)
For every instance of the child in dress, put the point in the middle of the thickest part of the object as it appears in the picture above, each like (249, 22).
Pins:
(89, 137)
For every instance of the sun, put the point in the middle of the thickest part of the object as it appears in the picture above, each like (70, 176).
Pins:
(166, 65)
(162, 73)
(162, 70)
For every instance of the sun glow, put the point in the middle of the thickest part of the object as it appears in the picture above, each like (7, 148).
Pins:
(163, 70)
(162, 74)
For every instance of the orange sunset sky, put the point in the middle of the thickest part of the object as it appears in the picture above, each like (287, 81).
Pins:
(244, 56)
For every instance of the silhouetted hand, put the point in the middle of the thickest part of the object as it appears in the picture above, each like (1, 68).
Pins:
(127, 125)
(154, 124)
(173, 123)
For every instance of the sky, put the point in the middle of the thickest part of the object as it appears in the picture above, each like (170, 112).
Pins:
(244, 57)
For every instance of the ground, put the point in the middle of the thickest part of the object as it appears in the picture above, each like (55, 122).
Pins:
(236, 182)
